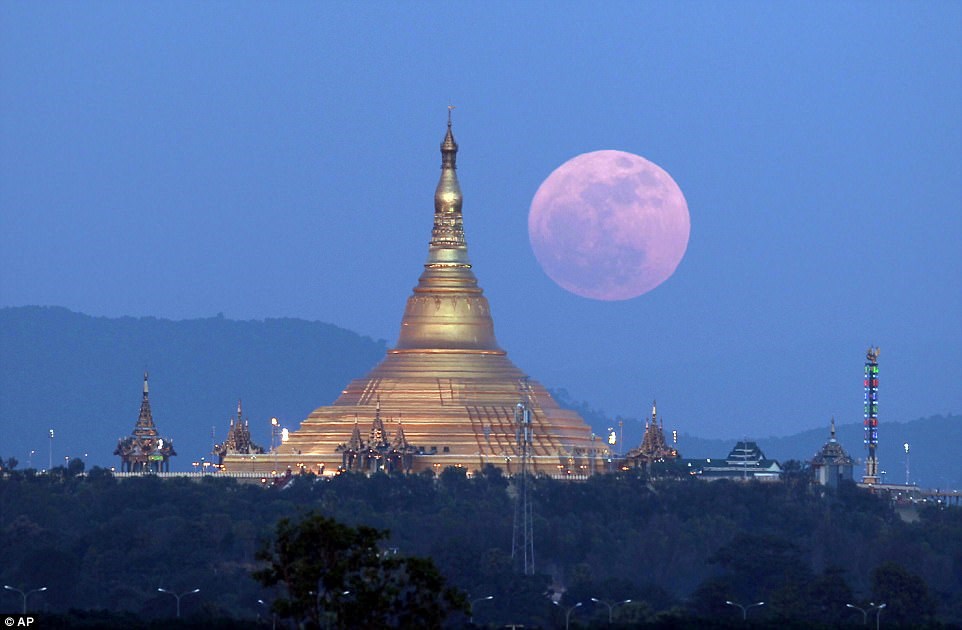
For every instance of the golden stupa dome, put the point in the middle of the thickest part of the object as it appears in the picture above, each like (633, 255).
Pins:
(447, 380)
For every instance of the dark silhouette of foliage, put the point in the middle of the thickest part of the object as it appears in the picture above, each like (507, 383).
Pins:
(105, 544)
(333, 572)
(906, 596)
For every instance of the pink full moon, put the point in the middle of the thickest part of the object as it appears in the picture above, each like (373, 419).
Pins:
(609, 225)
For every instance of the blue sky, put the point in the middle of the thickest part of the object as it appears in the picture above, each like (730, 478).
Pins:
(180, 159)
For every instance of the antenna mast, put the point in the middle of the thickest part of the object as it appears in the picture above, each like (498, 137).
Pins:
(522, 543)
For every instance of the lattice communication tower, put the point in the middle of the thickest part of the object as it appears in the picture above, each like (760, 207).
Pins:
(522, 542)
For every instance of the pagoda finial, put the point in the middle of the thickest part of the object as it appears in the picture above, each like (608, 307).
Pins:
(833, 428)
(654, 410)
(448, 225)
(146, 388)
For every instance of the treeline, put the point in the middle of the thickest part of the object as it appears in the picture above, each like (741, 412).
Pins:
(679, 549)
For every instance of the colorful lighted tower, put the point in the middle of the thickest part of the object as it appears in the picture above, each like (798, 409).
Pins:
(871, 415)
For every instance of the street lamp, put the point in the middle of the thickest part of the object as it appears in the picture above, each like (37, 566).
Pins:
(568, 613)
(273, 614)
(317, 607)
(274, 429)
(475, 601)
(861, 610)
(50, 467)
(878, 613)
(25, 595)
(611, 606)
(865, 611)
(906, 447)
(744, 608)
(178, 596)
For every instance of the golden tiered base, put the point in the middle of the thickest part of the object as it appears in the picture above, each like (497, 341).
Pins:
(457, 407)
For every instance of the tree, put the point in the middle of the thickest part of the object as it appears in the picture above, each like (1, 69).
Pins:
(906, 595)
(75, 467)
(760, 564)
(827, 595)
(335, 573)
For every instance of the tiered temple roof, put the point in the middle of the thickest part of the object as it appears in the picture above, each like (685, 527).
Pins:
(832, 463)
(653, 447)
(447, 377)
(745, 461)
(145, 450)
(238, 441)
(380, 452)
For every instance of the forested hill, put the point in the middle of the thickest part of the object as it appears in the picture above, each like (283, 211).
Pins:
(82, 376)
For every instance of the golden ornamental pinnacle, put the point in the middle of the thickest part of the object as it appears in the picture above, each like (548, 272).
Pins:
(448, 224)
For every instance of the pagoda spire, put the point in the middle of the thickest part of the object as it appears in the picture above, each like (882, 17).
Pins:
(400, 440)
(448, 229)
(145, 421)
(356, 443)
(448, 310)
(378, 435)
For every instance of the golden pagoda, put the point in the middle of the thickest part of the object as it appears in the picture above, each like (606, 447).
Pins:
(447, 394)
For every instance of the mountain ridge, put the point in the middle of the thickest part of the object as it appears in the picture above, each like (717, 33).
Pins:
(81, 376)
